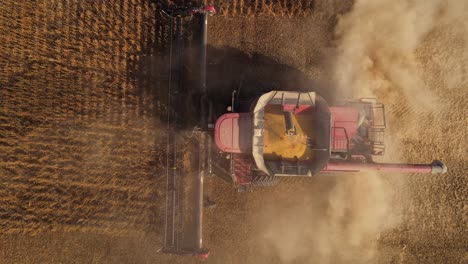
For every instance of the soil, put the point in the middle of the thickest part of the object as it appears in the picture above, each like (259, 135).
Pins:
(82, 145)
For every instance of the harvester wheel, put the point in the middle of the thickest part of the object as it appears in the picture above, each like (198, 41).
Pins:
(264, 180)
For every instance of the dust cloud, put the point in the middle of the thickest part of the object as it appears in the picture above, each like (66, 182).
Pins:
(378, 45)
(335, 220)
(378, 54)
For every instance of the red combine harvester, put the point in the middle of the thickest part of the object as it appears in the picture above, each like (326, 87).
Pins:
(290, 134)
(278, 134)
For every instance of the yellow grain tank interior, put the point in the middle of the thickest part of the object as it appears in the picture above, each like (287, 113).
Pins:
(279, 145)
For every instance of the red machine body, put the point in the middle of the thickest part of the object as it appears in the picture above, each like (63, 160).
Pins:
(344, 117)
(350, 134)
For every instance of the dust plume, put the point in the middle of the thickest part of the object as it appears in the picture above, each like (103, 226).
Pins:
(335, 220)
(380, 52)
(410, 54)
(378, 44)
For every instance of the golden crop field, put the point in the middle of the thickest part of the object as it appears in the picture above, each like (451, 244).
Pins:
(79, 142)
(83, 150)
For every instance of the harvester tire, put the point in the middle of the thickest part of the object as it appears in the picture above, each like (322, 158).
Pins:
(264, 180)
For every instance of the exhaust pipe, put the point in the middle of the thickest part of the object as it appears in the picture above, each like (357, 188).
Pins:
(435, 167)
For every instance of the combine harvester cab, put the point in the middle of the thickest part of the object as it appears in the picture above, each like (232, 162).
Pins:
(290, 134)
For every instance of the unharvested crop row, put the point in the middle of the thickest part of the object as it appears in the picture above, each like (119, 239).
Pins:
(79, 131)
(263, 7)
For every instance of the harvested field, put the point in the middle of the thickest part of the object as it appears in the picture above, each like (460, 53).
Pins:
(82, 148)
